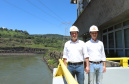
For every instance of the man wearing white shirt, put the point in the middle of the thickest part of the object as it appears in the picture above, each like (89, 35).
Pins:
(94, 49)
(73, 54)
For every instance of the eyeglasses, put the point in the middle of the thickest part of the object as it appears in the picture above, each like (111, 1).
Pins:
(93, 33)
(74, 33)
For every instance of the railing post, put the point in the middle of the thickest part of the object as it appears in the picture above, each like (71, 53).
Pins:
(121, 63)
(125, 62)
(62, 68)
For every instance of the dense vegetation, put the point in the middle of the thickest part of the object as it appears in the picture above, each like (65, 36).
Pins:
(19, 38)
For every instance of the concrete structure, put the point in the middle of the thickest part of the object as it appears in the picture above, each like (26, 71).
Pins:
(112, 18)
(113, 75)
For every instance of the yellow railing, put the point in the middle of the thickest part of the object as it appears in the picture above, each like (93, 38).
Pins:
(63, 71)
(123, 61)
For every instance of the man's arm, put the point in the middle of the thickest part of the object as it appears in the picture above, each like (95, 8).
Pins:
(87, 69)
(103, 59)
(65, 54)
(86, 56)
(104, 66)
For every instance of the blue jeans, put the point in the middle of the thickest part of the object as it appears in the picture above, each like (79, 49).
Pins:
(96, 70)
(77, 70)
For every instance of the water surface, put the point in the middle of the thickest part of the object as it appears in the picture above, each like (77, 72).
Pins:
(24, 70)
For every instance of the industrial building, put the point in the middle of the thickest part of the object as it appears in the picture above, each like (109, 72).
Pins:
(112, 19)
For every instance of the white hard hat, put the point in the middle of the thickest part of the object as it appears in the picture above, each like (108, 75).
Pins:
(93, 28)
(74, 28)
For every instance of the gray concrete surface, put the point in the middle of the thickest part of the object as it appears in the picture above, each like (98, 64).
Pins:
(113, 75)
(58, 80)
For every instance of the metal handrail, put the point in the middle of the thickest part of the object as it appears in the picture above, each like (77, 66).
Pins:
(63, 71)
(123, 61)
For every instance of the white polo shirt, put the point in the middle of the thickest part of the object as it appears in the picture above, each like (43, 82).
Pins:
(95, 50)
(73, 51)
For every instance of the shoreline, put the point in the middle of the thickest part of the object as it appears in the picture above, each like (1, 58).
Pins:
(17, 54)
(49, 66)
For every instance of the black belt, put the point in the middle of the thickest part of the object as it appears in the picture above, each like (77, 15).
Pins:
(77, 63)
(95, 62)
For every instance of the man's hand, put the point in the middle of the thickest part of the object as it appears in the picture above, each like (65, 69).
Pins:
(87, 69)
(104, 69)
(64, 59)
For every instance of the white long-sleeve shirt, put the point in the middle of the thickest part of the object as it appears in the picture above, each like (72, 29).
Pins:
(94, 50)
(73, 51)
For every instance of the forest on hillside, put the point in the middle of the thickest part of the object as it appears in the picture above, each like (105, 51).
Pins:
(19, 38)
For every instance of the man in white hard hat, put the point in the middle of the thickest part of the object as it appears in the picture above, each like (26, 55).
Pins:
(73, 54)
(95, 51)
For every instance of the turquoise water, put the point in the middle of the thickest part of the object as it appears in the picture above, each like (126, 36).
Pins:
(24, 70)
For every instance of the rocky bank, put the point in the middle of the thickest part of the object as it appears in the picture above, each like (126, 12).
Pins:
(21, 50)
(52, 59)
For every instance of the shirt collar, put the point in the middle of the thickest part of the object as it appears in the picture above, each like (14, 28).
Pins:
(93, 40)
(74, 42)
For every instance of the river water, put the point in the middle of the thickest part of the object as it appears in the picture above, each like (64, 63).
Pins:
(24, 70)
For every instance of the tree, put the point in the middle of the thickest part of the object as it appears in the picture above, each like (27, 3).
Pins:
(5, 29)
(16, 30)
(11, 29)
(1, 28)
(26, 33)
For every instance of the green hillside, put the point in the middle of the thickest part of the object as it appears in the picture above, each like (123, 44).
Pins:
(19, 38)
